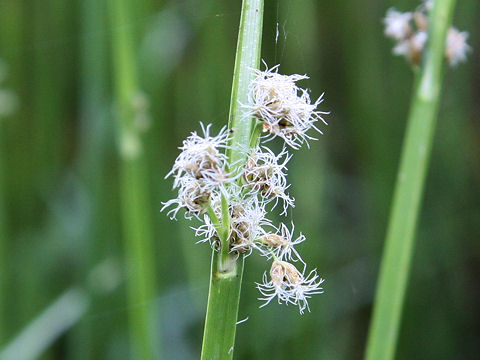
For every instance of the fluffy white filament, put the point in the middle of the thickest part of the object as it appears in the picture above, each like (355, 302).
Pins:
(265, 173)
(284, 109)
(289, 285)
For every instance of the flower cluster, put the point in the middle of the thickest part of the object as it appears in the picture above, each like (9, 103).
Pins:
(8, 99)
(410, 31)
(233, 204)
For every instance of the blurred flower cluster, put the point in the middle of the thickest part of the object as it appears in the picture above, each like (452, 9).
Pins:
(410, 31)
(8, 99)
(232, 200)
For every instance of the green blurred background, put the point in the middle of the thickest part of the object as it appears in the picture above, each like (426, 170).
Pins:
(61, 235)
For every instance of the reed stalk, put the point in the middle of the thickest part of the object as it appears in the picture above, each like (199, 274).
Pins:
(398, 252)
(90, 161)
(3, 247)
(33, 341)
(136, 216)
(226, 269)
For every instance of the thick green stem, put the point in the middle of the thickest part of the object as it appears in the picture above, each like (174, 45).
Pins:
(247, 58)
(222, 310)
(138, 233)
(417, 145)
(227, 269)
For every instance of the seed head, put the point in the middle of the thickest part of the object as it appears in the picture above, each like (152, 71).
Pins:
(265, 174)
(201, 158)
(284, 109)
(289, 285)
(282, 244)
(412, 48)
(456, 47)
(248, 222)
(397, 24)
(274, 241)
(193, 196)
(198, 172)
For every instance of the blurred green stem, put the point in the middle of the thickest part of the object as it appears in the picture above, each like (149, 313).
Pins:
(63, 313)
(227, 269)
(136, 215)
(417, 145)
(3, 247)
(90, 162)
(53, 322)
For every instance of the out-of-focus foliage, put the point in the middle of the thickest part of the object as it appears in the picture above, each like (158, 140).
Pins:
(60, 230)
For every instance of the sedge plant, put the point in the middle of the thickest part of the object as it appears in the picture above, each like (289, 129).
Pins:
(231, 180)
(424, 37)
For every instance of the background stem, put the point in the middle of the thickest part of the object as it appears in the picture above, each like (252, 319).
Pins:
(136, 213)
(398, 251)
(3, 245)
(226, 271)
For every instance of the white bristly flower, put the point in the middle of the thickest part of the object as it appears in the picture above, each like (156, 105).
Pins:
(284, 109)
(247, 221)
(198, 171)
(397, 24)
(410, 29)
(248, 224)
(192, 196)
(202, 159)
(281, 244)
(265, 173)
(456, 47)
(412, 48)
(289, 285)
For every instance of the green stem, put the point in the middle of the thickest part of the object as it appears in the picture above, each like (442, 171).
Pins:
(222, 310)
(227, 269)
(3, 246)
(48, 326)
(247, 58)
(138, 233)
(399, 244)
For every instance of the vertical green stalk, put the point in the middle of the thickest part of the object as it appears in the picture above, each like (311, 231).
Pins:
(134, 188)
(90, 163)
(227, 270)
(246, 59)
(11, 30)
(417, 145)
(3, 246)
(50, 76)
